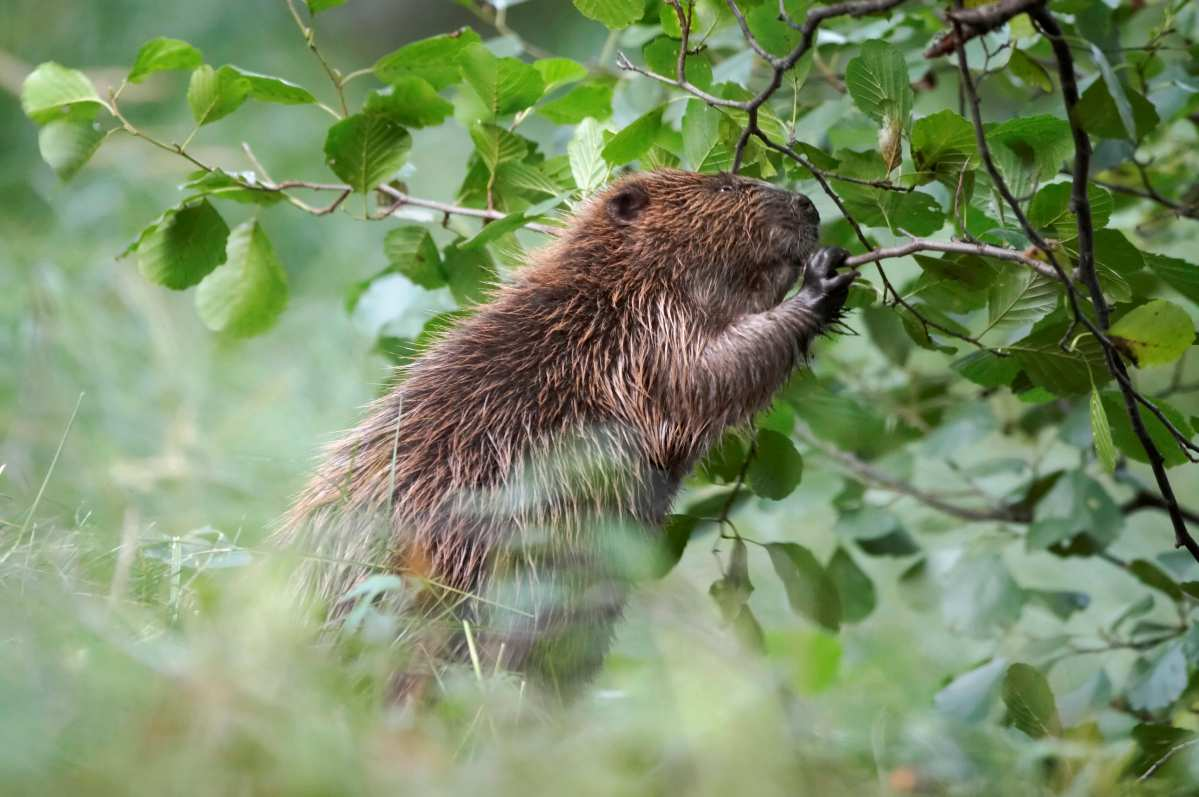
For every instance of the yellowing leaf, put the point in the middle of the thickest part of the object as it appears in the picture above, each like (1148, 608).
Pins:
(1154, 333)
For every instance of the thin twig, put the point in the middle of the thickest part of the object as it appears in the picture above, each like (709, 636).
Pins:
(868, 473)
(977, 21)
(959, 247)
(310, 39)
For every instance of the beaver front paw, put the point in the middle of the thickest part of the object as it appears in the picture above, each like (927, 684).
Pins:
(824, 291)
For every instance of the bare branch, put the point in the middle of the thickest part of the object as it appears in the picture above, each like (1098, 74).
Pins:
(960, 247)
(868, 473)
(977, 21)
(623, 62)
(309, 35)
(266, 185)
(1150, 193)
(762, 52)
(401, 200)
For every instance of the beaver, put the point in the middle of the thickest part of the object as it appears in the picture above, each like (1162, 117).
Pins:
(528, 444)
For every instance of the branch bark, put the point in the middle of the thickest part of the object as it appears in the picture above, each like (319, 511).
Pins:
(1081, 206)
(962, 247)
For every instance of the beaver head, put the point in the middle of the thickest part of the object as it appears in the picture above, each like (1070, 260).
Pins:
(734, 244)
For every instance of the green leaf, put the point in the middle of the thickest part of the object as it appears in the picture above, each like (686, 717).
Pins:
(587, 163)
(1029, 150)
(469, 273)
(943, 144)
(505, 85)
(732, 591)
(631, 142)
(897, 543)
(968, 698)
(1075, 504)
(1019, 298)
(987, 369)
(225, 185)
(1101, 433)
(776, 468)
(1113, 252)
(1029, 71)
(811, 592)
(556, 72)
(244, 296)
(662, 55)
(513, 221)
(409, 101)
(1116, 89)
(961, 428)
(592, 99)
(67, 143)
(877, 79)
(366, 149)
(980, 596)
(1063, 603)
(1063, 373)
(723, 461)
(528, 178)
(1156, 744)
(213, 94)
(777, 37)
(1099, 115)
(912, 212)
(886, 332)
(317, 6)
(434, 59)
(497, 146)
(676, 533)
(266, 88)
(1154, 333)
(184, 246)
(854, 587)
(162, 54)
(701, 133)
(1050, 209)
(52, 88)
(956, 283)
(410, 251)
(614, 14)
(866, 523)
(1127, 441)
(1178, 274)
(1030, 703)
(1154, 577)
(1155, 684)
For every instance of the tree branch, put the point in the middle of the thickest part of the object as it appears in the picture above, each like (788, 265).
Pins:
(962, 247)
(310, 39)
(868, 473)
(283, 187)
(974, 22)
(1080, 204)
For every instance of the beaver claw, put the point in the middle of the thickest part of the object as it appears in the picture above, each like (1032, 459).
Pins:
(824, 290)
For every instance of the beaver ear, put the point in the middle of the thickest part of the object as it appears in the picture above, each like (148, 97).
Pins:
(627, 204)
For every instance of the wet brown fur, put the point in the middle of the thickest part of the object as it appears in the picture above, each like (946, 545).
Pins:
(585, 390)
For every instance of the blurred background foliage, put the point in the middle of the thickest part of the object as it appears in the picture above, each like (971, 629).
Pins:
(204, 681)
